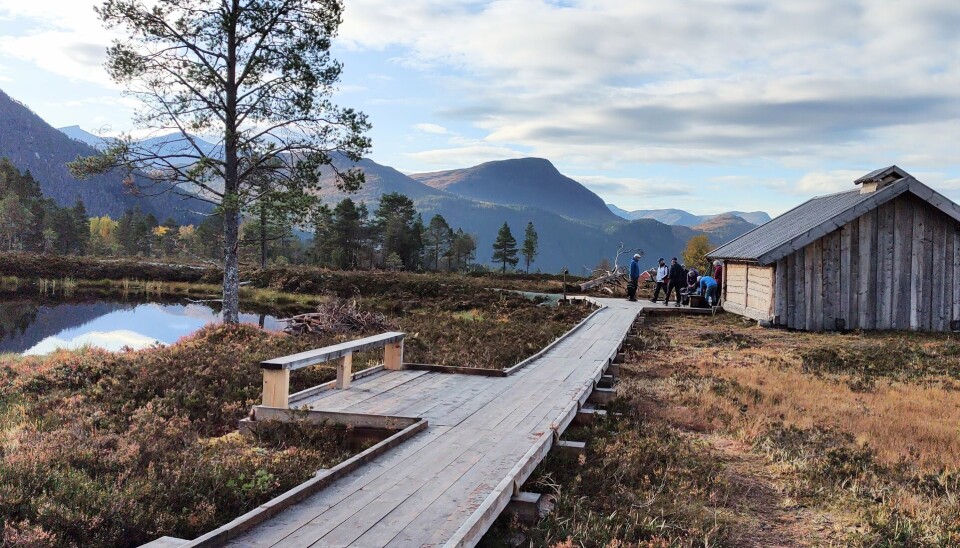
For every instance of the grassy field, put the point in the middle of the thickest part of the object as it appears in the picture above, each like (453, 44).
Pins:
(725, 434)
(116, 449)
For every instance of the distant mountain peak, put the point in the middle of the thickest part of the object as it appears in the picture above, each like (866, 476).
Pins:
(679, 217)
(524, 182)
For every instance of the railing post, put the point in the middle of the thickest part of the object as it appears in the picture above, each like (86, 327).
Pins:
(393, 356)
(345, 371)
(276, 388)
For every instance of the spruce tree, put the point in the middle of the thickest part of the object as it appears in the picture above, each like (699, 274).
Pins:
(505, 248)
(530, 245)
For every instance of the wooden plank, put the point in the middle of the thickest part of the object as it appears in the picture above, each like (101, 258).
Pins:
(816, 284)
(901, 272)
(357, 420)
(885, 244)
(802, 291)
(938, 264)
(844, 271)
(327, 353)
(854, 283)
(809, 256)
(955, 283)
(379, 522)
(790, 291)
(444, 451)
(434, 512)
(393, 355)
(831, 285)
(926, 258)
(780, 293)
(276, 387)
(868, 291)
(345, 371)
(344, 399)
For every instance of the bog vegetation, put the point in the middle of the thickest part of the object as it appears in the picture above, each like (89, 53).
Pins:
(729, 435)
(117, 449)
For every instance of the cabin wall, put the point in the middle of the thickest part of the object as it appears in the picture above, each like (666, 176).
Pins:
(896, 267)
(748, 290)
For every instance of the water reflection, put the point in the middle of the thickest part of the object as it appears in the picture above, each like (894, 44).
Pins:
(29, 327)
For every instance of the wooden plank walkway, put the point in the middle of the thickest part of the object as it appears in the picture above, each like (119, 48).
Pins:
(446, 485)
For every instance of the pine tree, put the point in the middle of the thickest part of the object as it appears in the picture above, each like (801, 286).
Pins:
(505, 248)
(81, 228)
(438, 237)
(257, 75)
(530, 244)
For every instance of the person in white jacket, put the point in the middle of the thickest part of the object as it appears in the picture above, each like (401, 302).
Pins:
(663, 273)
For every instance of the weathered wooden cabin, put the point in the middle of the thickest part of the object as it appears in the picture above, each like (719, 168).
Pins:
(883, 256)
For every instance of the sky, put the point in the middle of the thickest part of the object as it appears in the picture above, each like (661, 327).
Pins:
(707, 106)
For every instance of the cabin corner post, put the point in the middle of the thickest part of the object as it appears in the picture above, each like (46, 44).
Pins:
(276, 388)
(393, 356)
(345, 371)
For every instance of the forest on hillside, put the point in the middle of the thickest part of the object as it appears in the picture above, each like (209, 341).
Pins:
(347, 236)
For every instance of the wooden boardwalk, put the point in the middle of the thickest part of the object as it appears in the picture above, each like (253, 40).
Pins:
(446, 485)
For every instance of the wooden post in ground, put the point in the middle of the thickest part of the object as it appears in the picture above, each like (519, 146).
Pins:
(345, 371)
(276, 387)
(393, 356)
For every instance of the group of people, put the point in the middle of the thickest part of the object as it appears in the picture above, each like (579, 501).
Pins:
(678, 280)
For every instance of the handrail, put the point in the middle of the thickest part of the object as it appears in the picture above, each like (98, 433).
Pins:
(276, 372)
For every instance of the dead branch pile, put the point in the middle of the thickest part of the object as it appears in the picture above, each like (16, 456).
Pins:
(337, 316)
(606, 280)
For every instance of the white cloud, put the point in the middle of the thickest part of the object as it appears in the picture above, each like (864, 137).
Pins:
(434, 129)
(457, 157)
(628, 188)
(108, 340)
(684, 82)
(827, 182)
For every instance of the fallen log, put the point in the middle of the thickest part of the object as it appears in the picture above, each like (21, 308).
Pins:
(609, 278)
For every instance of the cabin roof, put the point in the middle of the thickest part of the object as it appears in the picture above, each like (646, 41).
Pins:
(821, 215)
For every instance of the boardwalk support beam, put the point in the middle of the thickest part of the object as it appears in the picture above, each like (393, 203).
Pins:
(571, 448)
(588, 416)
(606, 381)
(602, 396)
(530, 507)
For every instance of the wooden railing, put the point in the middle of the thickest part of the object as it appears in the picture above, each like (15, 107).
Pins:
(276, 372)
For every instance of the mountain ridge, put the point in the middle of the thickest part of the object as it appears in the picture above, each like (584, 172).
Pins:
(685, 218)
(530, 182)
(33, 145)
(577, 229)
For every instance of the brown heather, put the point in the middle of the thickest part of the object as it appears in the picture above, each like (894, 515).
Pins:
(117, 449)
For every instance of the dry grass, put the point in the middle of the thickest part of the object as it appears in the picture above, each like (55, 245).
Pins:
(860, 425)
(910, 418)
(725, 434)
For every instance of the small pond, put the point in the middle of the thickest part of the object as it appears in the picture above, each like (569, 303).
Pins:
(30, 327)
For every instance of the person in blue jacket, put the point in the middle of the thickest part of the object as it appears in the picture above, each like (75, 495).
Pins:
(709, 289)
(634, 277)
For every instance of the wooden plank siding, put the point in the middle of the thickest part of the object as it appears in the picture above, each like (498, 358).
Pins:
(800, 290)
(894, 267)
(750, 290)
(791, 291)
(902, 280)
(780, 313)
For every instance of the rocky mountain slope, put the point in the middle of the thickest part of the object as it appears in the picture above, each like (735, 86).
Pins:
(32, 144)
